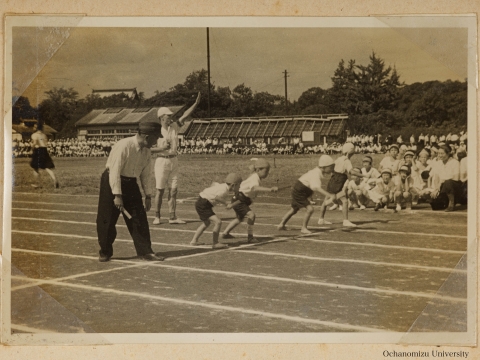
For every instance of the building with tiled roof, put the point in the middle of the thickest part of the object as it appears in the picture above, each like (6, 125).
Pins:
(310, 128)
(117, 122)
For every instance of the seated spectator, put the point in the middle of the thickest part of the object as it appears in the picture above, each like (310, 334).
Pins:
(447, 190)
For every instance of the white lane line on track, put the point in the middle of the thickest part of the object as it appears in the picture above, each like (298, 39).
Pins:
(262, 224)
(219, 307)
(40, 282)
(412, 248)
(428, 268)
(455, 213)
(376, 263)
(124, 226)
(264, 277)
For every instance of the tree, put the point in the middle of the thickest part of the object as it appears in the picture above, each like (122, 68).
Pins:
(56, 110)
(22, 109)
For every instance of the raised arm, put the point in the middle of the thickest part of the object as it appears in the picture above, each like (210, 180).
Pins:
(189, 111)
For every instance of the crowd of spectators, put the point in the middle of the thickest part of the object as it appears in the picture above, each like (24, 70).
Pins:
(69, 147)
(364, 144)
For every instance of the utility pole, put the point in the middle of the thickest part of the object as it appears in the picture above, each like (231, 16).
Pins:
(208, 67)
(286, 98)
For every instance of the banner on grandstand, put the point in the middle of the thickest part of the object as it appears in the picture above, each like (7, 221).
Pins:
(308, 136)
(311, 137)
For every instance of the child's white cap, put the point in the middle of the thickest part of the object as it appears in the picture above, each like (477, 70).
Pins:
(404, 168)
(325, 161)
(348, 148)
(387, 171)
(261, 164)
(233, 178)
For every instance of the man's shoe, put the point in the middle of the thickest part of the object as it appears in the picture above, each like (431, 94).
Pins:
(153, 257)
(176, 221)
(227, 236)
(252, 240)
(156, 221)
(377, 207)
(103, 258)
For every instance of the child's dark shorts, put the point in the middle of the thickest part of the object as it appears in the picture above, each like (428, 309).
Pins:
(243, 207)
(204, 208)
(300, 195)
(336, 183)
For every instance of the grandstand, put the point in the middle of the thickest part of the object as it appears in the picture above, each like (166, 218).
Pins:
(332, 127)
(116, 122)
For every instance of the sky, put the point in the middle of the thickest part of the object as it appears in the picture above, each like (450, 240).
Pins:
(156, 59)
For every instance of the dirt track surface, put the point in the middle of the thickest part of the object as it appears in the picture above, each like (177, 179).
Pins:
(394, 272)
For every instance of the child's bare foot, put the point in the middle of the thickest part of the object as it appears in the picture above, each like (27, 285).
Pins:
(281, 227)
(219, 246)
(196, 243)
(324, 222)
(305, 231)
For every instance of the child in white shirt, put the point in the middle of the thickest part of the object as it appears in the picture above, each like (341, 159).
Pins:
(243, 199)
(217, 193)
(303, 190)
(383, 189)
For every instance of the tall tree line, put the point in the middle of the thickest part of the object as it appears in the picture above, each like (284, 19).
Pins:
(372, 95)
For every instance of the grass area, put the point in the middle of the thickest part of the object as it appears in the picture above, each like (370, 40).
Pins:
(82, 175)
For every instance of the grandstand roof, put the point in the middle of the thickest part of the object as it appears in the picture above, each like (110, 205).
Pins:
(273, 126)
(122, 116)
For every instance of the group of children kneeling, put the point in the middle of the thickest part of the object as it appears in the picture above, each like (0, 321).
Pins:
(365, 184)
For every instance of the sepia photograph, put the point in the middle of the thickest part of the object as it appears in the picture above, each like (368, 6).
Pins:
(240, 180)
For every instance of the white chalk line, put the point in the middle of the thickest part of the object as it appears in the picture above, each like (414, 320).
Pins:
(40, 282)
(219, 307)
(410, 248)
(264, 277)
(303, 238)
(420, 211)
(286, 238)
(153, 227)
(376, 263)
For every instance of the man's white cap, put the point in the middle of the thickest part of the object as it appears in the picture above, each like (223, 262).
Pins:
(164, 111)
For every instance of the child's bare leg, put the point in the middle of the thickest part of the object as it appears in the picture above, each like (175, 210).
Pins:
(36, 179)
(346, 222)
(250, 222)
(199, 232)
(217, 224)
(52, 175)
(306, 219)
(285, 218)
(323, 210)
(232, 225)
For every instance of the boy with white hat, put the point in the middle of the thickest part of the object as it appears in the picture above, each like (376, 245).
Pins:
(303, 190)
(217, 193)
(383, 189)
(338, 184)
(243, 198)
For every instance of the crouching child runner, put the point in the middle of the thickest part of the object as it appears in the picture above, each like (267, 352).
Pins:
(217, 193)
(243, 199)
(303, 190)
